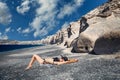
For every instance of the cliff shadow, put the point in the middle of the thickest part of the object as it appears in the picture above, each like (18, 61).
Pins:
(107, 44)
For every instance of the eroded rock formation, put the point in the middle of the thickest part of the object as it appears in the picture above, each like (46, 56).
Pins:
(102, 34)
(108, 43)
(108, 21)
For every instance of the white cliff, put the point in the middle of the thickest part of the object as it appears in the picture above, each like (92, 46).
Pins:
(88, 31)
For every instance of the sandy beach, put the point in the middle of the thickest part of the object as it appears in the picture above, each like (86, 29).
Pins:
(89, 67)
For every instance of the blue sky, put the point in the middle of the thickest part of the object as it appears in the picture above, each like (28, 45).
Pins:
(25, 20)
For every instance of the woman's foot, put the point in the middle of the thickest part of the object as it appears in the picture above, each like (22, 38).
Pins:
(28, 67)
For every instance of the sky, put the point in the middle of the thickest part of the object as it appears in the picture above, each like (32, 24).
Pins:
(26, 20)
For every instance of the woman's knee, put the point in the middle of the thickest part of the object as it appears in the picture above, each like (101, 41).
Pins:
(35, 55)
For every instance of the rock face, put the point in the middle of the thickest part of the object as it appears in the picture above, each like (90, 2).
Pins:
(102, 21)
(107, 9)
(99, 31)
(108, 43)
(81, 44)
(62, 36)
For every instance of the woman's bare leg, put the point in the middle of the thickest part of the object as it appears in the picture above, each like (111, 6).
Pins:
(34, 58)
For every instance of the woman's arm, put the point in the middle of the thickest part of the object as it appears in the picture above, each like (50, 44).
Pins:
(60, 63)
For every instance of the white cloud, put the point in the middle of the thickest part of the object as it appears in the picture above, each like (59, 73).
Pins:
(24, 31)
(45, 17)
(0, 33)
(5, 16)
(19, 30)
(7, 29)
(69, 8)
(42, 32)
(47, 13)
(27, 30)
(24, 7)
(3, 36)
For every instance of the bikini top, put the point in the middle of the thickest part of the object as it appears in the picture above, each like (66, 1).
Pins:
(56, 59)
(63, 57)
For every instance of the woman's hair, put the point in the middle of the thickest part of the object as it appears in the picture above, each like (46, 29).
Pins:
(64, 58)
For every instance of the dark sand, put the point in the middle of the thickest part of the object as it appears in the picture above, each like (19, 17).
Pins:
(89, 67)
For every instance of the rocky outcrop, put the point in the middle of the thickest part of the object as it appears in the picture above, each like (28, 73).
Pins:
(62, 36)
(97, 31)
(99, 26)
(108, 43)
(81, 45)
(108, 8)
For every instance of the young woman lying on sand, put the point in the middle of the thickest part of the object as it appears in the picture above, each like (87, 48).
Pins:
(56, 60)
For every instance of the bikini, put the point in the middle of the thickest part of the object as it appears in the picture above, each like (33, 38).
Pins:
(55, 59)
